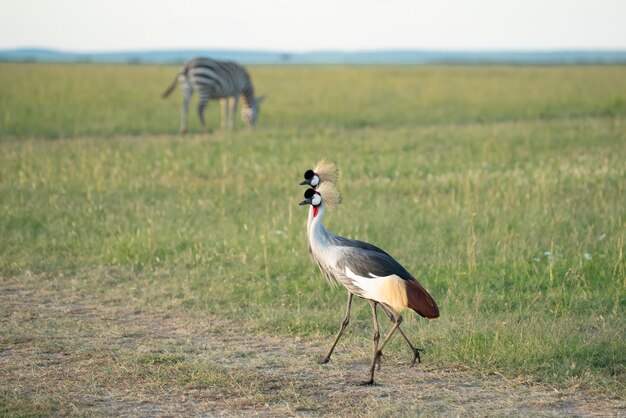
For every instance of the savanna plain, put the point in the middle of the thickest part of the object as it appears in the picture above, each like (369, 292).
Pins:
(143, 272)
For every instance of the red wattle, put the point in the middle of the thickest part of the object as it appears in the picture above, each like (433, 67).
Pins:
(315, 211)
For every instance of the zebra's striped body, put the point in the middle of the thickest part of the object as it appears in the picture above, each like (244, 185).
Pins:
(227, 81)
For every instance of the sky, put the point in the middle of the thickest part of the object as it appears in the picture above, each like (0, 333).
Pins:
(299, 26)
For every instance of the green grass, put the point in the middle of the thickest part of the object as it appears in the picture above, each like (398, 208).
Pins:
(53, 100)
(502, 189)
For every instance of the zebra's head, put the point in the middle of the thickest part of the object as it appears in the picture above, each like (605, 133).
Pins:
(250, 114)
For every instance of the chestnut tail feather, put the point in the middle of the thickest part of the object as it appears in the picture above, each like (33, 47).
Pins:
(420, 300)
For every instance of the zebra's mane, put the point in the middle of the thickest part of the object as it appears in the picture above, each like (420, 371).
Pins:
(247, 95)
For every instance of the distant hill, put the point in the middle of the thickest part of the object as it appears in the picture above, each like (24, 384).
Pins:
(399, 57)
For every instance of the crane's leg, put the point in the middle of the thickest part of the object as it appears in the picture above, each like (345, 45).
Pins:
(344, 324)
(377, 336)
(415, 350)
(397, 319)
(377, 352)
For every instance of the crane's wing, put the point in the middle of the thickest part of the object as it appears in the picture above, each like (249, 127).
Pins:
(370, 263)
(353, 243)
(380, 277)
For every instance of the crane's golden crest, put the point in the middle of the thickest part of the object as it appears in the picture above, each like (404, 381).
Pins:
(326, 171)
(330, 195)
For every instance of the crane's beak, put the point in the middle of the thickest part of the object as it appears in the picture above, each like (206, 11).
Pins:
(307, 181)
(306, 201)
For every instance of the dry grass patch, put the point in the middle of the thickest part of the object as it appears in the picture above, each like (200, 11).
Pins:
(66, 353)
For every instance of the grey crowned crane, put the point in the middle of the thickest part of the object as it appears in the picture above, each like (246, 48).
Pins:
(326, 171)
(364, 269)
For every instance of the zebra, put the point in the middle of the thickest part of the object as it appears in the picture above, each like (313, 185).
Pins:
(222, 80)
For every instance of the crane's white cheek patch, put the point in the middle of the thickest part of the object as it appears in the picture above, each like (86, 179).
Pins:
(389, 289)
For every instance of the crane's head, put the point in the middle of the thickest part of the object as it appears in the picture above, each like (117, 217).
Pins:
(310, 178)
(324, 171)
(311, 197)
(325, 196)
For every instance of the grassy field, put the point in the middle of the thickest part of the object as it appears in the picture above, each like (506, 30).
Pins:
(502, 189)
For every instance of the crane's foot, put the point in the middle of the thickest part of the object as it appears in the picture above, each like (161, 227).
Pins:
(324, 361)
(367, 383)
(416, 355)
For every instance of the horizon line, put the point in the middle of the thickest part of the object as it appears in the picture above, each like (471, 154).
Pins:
(321, 50)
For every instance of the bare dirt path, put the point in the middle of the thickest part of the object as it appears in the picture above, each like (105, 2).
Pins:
(63, 354)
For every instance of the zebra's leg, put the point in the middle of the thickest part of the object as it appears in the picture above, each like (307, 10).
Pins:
(232, 102)
(187, 92)
(224, 115)
(202, 103)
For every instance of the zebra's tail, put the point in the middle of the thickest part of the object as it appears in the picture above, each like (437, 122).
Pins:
(171, 88)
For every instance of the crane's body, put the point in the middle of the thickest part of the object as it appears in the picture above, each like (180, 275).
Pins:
(326, 171)
(364, 270)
